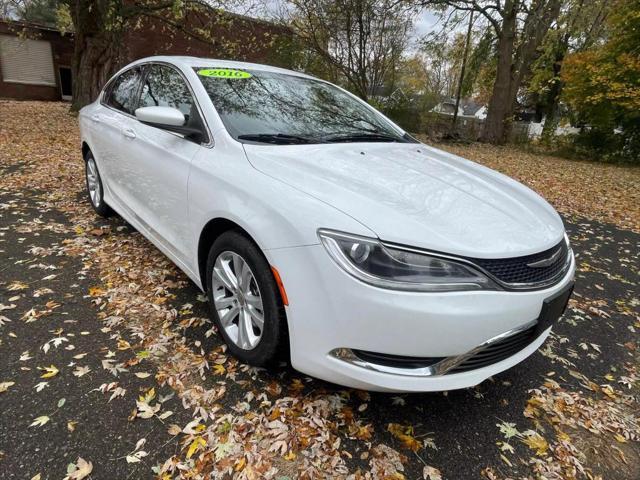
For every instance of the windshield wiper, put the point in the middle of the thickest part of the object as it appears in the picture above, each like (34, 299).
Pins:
(277, 138)
(364, 137)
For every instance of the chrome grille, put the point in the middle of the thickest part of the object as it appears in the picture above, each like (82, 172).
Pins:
(516, 270)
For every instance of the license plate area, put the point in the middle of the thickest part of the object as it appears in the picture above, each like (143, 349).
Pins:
(553, 308)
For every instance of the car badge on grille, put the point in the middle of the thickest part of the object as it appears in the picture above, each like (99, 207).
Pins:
(545, 262)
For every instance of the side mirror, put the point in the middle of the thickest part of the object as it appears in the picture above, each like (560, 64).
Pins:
(170, 119)
(168, 116)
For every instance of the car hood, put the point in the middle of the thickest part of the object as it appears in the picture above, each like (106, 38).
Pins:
(416, 195)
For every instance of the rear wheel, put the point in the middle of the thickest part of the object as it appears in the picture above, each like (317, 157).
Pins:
(245, 300)
(95, 189)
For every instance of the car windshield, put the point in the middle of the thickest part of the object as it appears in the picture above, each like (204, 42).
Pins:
(268, 107)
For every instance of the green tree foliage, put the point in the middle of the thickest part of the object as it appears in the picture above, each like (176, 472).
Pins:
(602, 85)
(481, 68)
(43, 12)
(580, 26)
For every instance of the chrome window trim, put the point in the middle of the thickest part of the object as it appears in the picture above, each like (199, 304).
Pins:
(438, 369)
(209, 144)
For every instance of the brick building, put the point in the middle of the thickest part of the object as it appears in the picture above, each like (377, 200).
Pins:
(35, 61)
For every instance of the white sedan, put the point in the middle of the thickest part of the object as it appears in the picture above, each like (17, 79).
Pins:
(322, 232)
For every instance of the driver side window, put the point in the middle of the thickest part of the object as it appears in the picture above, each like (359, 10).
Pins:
(164, 86)
(122, 93)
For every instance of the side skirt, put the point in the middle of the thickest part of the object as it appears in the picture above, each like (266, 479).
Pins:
(151, 235)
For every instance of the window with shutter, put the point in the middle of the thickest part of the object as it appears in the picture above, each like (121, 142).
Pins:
(24, 60)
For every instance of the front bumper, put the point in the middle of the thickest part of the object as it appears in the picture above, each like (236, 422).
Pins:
(329, 310)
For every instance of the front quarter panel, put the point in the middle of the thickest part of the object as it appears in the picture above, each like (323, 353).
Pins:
(223, 184)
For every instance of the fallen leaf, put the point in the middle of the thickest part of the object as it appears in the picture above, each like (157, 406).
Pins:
(40, 386)
(431, 473)
(536, 442)
(4, 386)
(51, 371)
(80, 371)
(404, 434)
(195, 445)
(96, 292)
(40, 421)
(81, 469)
(620, 438)
(136, 456)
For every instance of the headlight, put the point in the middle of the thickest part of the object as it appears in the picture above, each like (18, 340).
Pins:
(370, 261)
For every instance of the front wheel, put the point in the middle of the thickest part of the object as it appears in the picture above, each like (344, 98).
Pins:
(95, 190)
(245, 300)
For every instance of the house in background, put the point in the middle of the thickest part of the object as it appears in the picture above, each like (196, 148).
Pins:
(447, 107)
(467, 108)
(35, 60)
(473, 109)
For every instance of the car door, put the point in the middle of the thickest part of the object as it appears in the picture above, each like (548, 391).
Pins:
(158, 161)
(111, 120)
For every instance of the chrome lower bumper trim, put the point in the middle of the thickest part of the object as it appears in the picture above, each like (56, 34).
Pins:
(437, 369)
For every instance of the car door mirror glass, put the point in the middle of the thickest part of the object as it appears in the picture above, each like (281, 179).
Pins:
(161, 116)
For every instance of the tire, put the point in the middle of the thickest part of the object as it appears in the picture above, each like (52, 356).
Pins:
(273, 341)
(95, 189)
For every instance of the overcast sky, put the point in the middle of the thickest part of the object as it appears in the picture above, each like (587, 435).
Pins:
(425, 23)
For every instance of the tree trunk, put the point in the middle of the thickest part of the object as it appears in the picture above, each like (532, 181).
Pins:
(96, 52)
(553, 100)
(551, 122)
(94, 61)
(462, 72)
(514, 65)
(500, 109)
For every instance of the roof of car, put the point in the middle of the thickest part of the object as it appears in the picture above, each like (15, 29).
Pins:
(212, 62)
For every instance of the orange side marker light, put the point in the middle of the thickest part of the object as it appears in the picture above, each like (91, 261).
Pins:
(283, 292)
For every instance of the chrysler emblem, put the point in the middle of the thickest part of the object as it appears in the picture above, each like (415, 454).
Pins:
(545, 262)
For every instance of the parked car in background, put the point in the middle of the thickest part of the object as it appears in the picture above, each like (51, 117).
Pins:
(321, 231)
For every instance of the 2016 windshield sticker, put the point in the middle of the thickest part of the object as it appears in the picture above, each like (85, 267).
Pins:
(229, 73)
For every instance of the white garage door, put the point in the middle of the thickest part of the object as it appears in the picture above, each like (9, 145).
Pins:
(24, 60)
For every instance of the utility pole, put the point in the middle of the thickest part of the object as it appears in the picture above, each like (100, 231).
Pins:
(462, 71)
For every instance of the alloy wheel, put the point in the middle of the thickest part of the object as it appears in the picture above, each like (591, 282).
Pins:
(93, 183)
(237, 300)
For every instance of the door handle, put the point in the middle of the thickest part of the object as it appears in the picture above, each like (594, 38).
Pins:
(129, 132)
(96, 118)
